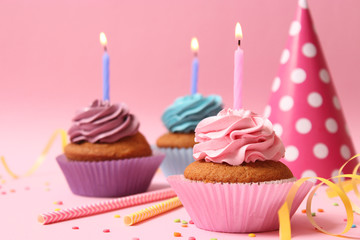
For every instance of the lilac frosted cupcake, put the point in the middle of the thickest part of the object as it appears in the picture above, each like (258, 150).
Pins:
(107, 156)
(237, 183)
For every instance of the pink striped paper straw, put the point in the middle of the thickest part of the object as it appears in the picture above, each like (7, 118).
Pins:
(105, 206)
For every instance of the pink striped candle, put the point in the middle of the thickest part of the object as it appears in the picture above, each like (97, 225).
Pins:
(105, 206)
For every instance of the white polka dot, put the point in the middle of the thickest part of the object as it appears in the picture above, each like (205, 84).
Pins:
(286, 103)
(320, 150)
(285, 56)
(278, 129)
(309, 173)
(303, 4)
(331, 125)
(315, 99)
(276, 84)
(309, 50)
(335, 173)
(291, 153)
(303, 125)
(324, 75)
(347, 130)
(267, 111)
(295, 28)
(298, 75)
(336, 103)
(345, 152)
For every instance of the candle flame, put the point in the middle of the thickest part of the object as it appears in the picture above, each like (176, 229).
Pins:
(238, 32)
(194, 45)
(103, 39)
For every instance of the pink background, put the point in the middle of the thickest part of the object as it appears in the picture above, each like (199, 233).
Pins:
(50, 60)
(50, 66)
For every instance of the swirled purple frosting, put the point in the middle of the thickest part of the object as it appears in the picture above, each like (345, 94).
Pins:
(103, 122)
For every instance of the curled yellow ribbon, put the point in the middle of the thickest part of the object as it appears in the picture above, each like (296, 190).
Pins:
(41, 158)
(284, 211)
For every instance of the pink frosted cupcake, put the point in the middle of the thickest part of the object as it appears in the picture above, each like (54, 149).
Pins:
(237, 183)
(107, 156)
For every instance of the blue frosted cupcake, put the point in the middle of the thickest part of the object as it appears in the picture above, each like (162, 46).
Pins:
(181, 119)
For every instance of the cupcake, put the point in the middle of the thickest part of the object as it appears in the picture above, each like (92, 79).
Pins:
(237, 183)
(181, 119)
(107, 156)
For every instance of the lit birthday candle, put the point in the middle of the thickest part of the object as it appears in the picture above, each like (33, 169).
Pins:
(195, 66)
(106, 71)
(238, 68)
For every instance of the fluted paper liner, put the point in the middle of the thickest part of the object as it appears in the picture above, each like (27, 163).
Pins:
(235, 207)
(114, 178)
(176, 160)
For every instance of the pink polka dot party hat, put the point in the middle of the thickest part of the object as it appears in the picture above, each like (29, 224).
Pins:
(305, 108)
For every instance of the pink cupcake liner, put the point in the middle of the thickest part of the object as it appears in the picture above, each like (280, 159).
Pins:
(113, 178)
(243, 207)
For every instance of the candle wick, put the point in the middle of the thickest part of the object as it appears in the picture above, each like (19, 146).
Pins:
(105, 48)
(195, 54)
(239, 42)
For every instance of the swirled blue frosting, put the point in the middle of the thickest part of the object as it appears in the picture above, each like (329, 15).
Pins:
(186, 112)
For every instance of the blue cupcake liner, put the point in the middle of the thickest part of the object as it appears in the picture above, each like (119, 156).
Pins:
(176, 160)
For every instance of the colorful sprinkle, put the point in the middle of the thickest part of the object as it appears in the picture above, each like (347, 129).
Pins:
(27, 188)
(47, 183)
(184, 222)
(353, 226)
(177, 220)
(320, 210)
(47, 189)
(313, 214)
(177, 234)
(303, 211)
(12, 190)
(345, 220)
(335, 204)
(57, 209)
(135, 238)
(3, 193)
(191, 222)
(3, 181)
(252, 235)
(106, 230)
(184, 225)
(117, 216)
(75, 228)
(213, 238)
(192, 238)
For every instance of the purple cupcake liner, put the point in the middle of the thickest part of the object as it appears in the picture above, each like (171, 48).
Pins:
(113, 178)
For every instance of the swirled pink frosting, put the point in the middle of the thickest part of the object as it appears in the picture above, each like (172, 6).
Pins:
(237, 136)
(103, 122)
